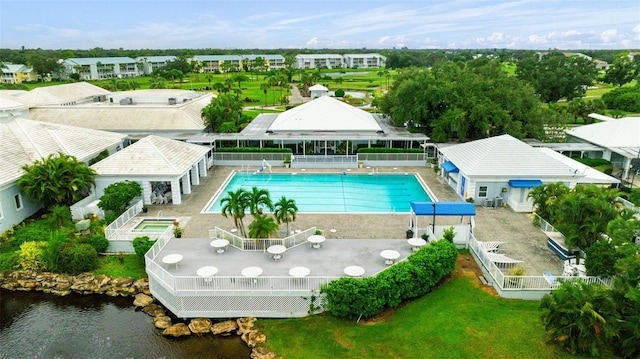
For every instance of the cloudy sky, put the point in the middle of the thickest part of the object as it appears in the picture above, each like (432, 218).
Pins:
(348, 24)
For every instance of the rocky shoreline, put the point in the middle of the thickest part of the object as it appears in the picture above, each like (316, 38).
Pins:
(89, 283)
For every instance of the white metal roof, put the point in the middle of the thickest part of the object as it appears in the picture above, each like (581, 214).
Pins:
(325, 114)
(152, 155)
(318, 87)
(617, 133)
(590, 175)
(61, 94)
(25, 141)
(504, 156)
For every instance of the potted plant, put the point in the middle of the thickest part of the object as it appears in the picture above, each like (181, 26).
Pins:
(287, 161)
(425, 236)
(178, 231)
(360, 164)
(515, 273)
(436, 169)
(145, 209)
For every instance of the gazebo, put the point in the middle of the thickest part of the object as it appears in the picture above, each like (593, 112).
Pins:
(438, 209)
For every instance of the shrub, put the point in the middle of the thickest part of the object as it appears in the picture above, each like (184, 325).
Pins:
(9, 261)
(353, 298)
(117, 196)
(52, 253)
(449, 234)
(141, 245)
(99, 242)
(339, 93)
(59, 216)
(32, 256)
(75, 258)
(252, 149)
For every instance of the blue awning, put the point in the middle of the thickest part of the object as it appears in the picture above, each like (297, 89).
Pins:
(524, 183)
(450, 167)
(443, 208)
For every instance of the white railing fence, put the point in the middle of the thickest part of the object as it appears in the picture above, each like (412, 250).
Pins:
(542, 223)
(251, 244)
(185, 285)
(111, 229)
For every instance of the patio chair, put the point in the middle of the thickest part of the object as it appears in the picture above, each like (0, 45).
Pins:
(502, 261)
(551, 278)
(490, 246)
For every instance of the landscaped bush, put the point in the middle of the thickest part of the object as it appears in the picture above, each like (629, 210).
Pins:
(75, 258)
(141, 245)
(99, 242)
(9, 261)
(593, 162)
(339, 93)
(252, 149)
(32, 256)
(354, 298)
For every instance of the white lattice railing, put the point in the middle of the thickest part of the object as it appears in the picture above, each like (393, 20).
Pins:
(506, 282)
(112, 228)
(191, 285)
(250, 244)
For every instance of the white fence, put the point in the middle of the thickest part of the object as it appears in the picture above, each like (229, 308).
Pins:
(522, 287)
(250, 244)
(111, 229)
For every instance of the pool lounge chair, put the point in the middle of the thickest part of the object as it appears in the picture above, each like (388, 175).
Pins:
(490, 246)
(502, 261)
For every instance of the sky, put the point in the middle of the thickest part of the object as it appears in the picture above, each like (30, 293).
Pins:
(320, 24)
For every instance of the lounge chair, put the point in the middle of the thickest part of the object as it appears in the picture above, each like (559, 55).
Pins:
(551, 278)
(490, 246)
(502, 261)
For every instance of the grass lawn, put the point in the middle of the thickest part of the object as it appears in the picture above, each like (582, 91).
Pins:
(457, 320)
(121, 265)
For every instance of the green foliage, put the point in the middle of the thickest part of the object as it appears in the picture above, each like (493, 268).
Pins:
(545, 197)
(58, 179)
(463, 101)
(223, 114)
(621, 71)
(580, 318)
(353, 298)
(32, 256)
(141, 245)
(623, 98)
(117, 196)
(99, 242)
(339, 93)
(59, 216)
(101, 156)
(234, 205)
(76, 258)
(285, 211)
(9, 261)
(52, 255)
(593, 162)
(118, 266)
(380, 150)
(554, 75)
(448, 234)
(253, 149)
(262, 226)
(601, 259)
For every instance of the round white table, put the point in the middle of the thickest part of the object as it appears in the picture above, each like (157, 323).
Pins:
(170, 259)
(207, 272)
(316, 240)
(277, 251)
(299, 272)
(390, 256)
(219, 245)
(252, 272)
(354, 271)
(416, 243)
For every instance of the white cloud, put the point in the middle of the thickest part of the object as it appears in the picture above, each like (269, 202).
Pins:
(609, 35)
(535, 39)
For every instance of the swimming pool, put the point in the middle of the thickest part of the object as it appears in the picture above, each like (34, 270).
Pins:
(334, 192)
(153, 225)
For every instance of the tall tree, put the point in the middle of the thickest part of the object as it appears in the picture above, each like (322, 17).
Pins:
(258, 201)
(262, 226)
(285, 211)
(554, 75)
(58, 179)
(622, 71)
(226, 108)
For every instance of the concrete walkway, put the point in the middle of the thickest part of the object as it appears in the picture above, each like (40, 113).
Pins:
(522, 240)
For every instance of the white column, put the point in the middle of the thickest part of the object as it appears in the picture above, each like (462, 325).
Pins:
(203, 167)
(146, 192)
(186, 183)
(195, 176)
(176, 197)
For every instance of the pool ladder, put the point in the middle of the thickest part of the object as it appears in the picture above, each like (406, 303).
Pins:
(158, 215)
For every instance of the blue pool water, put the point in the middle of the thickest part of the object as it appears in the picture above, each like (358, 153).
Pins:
(333, 193)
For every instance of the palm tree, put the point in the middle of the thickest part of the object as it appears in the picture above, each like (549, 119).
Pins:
(262, 227)
(234, 205)
(59, 179)
(265, 89)
(285, 211)
(257, 199)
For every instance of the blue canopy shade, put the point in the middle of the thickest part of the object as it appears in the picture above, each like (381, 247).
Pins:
(450, 167)
(524, 183)
(443, 208)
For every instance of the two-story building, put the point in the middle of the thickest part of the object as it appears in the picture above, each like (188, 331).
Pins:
(98, 68)
(364, 60)
(218, 63)
(151, 63)
(17, 73)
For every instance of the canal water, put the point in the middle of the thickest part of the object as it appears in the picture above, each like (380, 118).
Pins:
(37, 325)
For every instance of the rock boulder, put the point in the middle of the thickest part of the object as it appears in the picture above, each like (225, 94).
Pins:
(224, 328)
(200, 325)
(162, 322)
(142, 300)
(177, 330)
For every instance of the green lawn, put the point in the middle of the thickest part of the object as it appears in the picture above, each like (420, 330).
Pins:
(457, 320)
(121, 265)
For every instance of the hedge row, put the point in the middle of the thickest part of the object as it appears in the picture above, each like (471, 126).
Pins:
(253, 149)
(354, 298)
(389, 150)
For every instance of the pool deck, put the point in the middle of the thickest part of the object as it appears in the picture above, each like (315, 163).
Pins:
(521, 239)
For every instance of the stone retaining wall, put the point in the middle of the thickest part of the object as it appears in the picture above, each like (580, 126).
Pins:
(89, 283)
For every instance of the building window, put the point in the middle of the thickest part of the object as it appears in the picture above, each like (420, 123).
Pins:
(18, 199)
(482, 191)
